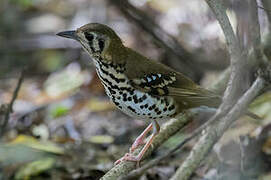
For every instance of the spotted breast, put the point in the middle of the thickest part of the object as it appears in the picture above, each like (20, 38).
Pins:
(131, 101)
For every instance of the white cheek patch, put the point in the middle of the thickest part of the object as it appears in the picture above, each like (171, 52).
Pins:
(95, 43)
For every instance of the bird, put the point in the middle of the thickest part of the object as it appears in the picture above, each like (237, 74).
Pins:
(140, 87)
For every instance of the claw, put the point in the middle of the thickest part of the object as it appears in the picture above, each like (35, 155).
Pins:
(128, 157)
(120, 160)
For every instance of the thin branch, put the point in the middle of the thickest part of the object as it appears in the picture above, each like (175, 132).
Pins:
(238, 58)
(10, 106)
(267, 6)
(232, 42)
(267, 41)
(254, 31)
(212, 135)
(168, 129)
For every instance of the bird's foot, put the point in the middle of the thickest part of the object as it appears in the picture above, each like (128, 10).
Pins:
(128, 157)
(139, 141)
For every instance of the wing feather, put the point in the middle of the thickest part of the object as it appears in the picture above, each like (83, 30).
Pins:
(159, 80)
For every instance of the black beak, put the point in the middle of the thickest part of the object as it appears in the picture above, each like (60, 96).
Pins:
(68, 34)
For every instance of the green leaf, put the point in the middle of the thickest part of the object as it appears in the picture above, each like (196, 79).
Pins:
(59, 111)
(101, 139)
(45, 146)
(35, 168)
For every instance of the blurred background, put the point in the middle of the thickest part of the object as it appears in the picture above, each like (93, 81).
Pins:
(63, 126)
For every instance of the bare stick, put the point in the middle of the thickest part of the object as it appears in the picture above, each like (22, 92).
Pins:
(267, 41)
(167, 130)
(238, 57)
(267, 8)
(201, 149)
(10, 106)
(233, 91)
(254, 32)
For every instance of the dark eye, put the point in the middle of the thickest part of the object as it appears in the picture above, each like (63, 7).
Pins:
(101, 44)
(89, 36)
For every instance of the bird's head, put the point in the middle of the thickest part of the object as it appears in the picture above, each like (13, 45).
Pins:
(96, 39)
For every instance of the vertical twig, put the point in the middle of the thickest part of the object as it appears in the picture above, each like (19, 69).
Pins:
(10, 105)
(238, 57)
(267, 8)
(254, 31)
(267, 41)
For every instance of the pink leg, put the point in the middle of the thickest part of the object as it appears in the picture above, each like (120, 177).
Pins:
(140, 139)
(130, 157)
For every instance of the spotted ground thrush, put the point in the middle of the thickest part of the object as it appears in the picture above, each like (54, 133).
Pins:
(138, 86)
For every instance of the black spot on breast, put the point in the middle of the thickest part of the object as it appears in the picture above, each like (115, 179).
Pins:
(131, 92)
(144, 97)
(124, 97)
(103, 63)
(152, 107)
(167, 103)
(125, 89)
(111, 91)
(135, 99)
(132, 109)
